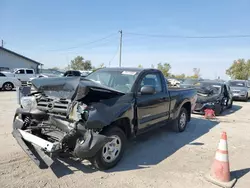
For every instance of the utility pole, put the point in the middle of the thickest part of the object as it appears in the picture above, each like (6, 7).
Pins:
(2, 44)
(120, 59)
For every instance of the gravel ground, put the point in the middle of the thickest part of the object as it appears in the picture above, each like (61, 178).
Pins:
(159, 159)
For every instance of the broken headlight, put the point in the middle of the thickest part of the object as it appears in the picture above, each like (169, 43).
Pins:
(28, 103)
(78, 112)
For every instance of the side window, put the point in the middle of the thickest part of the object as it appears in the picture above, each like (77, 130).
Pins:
(29, 71)
(21, 71)
(152, 80)
(2, 75)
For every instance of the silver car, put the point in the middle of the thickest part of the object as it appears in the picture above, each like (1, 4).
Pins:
(240, 89)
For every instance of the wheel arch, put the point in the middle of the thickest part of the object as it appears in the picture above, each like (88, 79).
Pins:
(122, 123)
(187, 106)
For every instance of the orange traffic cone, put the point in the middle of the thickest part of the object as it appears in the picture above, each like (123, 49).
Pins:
(220, 171)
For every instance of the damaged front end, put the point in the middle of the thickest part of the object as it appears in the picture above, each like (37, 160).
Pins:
(50, 126)
(206, 100)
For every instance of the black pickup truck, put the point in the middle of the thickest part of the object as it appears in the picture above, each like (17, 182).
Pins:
(93, 117)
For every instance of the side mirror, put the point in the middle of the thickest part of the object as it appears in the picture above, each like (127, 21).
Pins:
(147, 90)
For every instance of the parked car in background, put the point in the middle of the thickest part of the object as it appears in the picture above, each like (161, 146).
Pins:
(51, 72)
(189, 83)
(173, 82)
(213, 95)
(240, 89)
(85, 73)
(8, 83)
(44, 75)
(92, 118)
(21, 74)
(72, 73)
(4, 69)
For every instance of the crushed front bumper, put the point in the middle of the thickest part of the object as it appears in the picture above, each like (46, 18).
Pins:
(43, 152)
(200, 108)
(238, 96)
(41, 159)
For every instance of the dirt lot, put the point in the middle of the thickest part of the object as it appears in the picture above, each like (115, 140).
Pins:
(159, 159)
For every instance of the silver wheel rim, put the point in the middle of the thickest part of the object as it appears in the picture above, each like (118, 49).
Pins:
(8, 87)
(183, 119)
(111, 150)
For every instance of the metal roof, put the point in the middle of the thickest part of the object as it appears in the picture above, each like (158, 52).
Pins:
(19, 55)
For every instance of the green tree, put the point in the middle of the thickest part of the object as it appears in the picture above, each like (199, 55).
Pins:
(102, 65)
(196, 74)
(140, 66)
(180, 76)
(80, 64)
(240, 69)
(164, 68)
(152, 66)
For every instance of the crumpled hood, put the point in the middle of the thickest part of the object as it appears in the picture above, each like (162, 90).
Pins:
(72, 88)
(206, 95)
(204, 99)
(238, 88)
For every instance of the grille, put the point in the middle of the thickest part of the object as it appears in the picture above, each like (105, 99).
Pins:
(236, 91)
(55, 106)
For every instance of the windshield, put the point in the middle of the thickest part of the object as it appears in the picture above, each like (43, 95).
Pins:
(119, 80)
(237, 84)
(208, 88)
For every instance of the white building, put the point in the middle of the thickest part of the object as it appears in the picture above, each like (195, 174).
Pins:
(11, 60)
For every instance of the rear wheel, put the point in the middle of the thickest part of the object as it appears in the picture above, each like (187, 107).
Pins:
(8, 86)
(180, 123)
(111, 153)
(219, 110)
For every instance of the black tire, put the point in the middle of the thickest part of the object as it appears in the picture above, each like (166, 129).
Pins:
(219, 110)
(230, 105)
(246, 99)
(8, 86)
(178, 126)
(98, 160)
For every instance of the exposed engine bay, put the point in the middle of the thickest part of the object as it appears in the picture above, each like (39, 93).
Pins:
(62, 119)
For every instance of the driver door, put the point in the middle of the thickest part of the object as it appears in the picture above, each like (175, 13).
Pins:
(151, 109)
(226, 96)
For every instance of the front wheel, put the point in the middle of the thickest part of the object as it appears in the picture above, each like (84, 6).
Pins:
(219, 110)
(8, 86)
(246, 99)
(111, 153)
(180, 123)
(231, 104)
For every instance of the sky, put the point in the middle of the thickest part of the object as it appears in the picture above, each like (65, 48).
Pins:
(54, 32)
